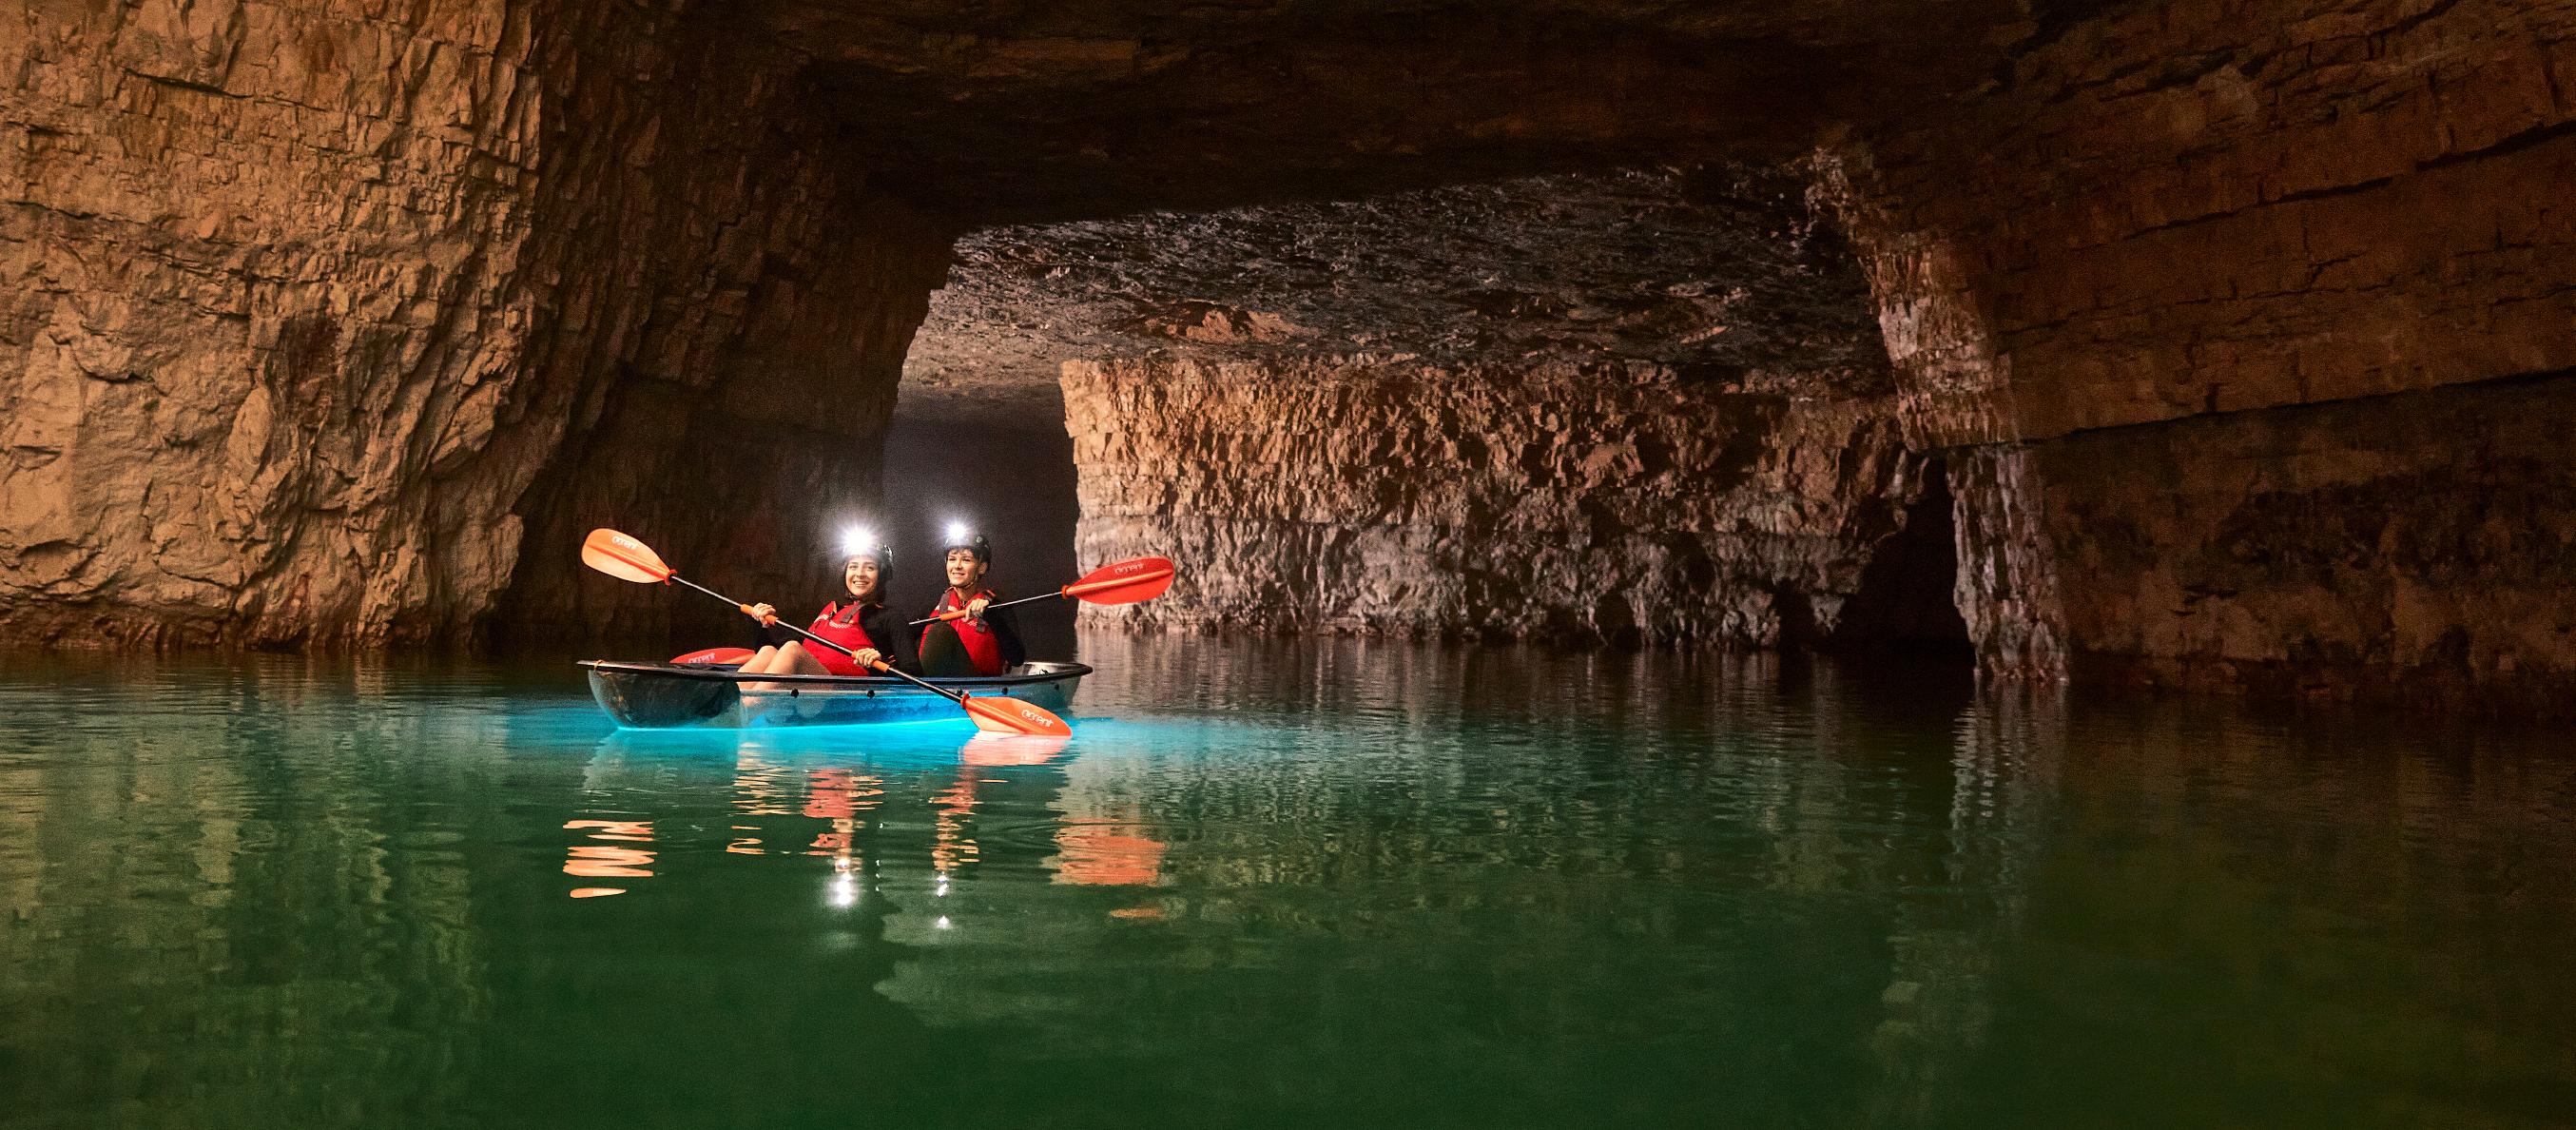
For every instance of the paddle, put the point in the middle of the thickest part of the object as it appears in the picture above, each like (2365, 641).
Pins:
(627, 559)
(1123, 583)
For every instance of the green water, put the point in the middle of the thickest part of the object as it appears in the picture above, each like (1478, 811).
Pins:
(1322, 883)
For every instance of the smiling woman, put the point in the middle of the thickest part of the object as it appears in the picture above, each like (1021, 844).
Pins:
(863, 626)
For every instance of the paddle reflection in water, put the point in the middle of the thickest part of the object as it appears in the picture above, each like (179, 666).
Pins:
(782, 783)
(593, 861)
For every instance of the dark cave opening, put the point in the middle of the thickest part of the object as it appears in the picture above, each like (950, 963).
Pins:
(1906, 606)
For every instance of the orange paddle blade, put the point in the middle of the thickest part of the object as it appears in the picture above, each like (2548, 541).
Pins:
(623, 557)
(716, 655)
(1125, 582)
(1011, 716)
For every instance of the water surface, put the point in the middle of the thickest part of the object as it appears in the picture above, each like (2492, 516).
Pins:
(1274, 884)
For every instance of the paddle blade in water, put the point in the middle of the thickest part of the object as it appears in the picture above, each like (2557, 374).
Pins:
(715, 655)
(1011, 749)
(1125, 582)
(1011, 716)
(623, 557)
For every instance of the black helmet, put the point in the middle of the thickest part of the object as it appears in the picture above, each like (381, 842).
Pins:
(959, 539)
(854, 545)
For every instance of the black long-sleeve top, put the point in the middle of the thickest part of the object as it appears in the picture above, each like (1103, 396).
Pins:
(891, 635)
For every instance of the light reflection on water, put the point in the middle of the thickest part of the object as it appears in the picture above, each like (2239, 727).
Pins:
(1273, 883)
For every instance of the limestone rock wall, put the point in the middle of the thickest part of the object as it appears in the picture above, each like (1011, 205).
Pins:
(1605, 501)
(2110, 280)
(316, 313)
(2217, 205)
(2417, 547)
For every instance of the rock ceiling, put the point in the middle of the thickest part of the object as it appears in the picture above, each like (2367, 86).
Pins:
(1721, 272)
(1089, 108)
(1454, 181)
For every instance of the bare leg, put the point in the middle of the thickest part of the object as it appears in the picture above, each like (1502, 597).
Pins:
(763, 662)
(793, 659)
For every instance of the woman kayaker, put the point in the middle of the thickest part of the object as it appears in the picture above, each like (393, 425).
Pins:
(864, 626)
(980, 642)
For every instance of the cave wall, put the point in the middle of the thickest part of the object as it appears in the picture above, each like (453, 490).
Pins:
(2111, 280)
(316, 312)
(1562, 501)
(2413, 547)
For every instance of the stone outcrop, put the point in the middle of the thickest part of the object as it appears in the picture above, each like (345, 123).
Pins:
(316, 315)
(1561, 502)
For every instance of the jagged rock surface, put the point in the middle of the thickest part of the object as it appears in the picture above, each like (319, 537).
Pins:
(1568, 502)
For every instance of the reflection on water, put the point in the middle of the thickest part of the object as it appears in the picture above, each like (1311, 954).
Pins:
(1319, 882)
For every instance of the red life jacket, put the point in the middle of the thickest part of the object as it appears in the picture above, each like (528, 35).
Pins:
(841, 627)
(981, 644)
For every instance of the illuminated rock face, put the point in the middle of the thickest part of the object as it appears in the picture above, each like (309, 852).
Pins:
(315, 318)
(1558, 502)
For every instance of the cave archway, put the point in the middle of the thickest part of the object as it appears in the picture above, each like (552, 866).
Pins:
(1636, 407)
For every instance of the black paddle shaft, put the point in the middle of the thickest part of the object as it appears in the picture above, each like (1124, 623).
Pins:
(1004, 604)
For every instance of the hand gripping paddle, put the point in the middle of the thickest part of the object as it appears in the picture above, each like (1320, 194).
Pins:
(627, 559)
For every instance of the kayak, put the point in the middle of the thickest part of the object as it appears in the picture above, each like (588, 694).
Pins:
(644, 695)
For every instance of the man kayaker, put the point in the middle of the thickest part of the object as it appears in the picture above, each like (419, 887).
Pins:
(978, 643)
(864, 626)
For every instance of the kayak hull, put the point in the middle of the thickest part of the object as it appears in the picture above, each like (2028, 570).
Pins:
(663, 696)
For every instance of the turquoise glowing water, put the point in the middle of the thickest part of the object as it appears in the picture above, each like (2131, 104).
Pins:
(1274, 884)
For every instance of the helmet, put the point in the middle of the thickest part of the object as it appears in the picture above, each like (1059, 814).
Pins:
(854, 545)
(959, 538)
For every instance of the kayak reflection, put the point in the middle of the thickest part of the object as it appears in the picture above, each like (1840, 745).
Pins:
(905, 814)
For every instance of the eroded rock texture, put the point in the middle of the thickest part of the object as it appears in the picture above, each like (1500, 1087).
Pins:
(316, 312)
(1568, 502)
